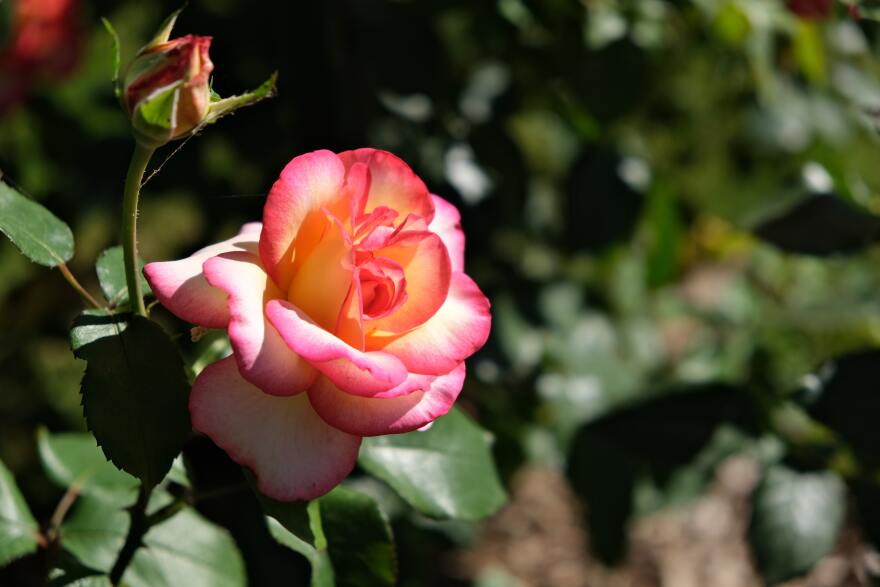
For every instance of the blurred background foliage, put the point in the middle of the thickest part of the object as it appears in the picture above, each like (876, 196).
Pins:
(673, 205)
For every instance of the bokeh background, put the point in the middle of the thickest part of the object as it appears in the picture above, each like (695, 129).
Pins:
(672, 205)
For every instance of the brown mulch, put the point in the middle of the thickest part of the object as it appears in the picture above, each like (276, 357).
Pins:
(539, 540)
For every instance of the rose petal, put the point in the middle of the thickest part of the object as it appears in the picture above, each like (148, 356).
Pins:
(376, 416)
(354, 371)
(447, 224)
(458, 329)
(427, 270)
(263, 357)
(293, 453)
(181, 287)
(393, 183)
(307, 184)
(321, 282)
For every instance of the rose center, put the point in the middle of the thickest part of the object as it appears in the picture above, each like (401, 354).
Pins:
(383, 287)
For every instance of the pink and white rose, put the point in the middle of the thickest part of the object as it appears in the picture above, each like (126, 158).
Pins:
(349, 314)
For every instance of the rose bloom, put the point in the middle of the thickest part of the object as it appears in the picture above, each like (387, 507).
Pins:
(349, 315)
(181, 67)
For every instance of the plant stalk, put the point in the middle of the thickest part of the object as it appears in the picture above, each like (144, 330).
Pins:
(139, 160)
(136, 531)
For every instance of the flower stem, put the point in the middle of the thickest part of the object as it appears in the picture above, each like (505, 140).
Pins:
(136, 531)
(136, 169)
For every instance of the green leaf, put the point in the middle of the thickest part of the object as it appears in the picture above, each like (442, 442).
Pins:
(187, 550)
(359, 539)
(184, 550)
(294, 516)
(344, 535)
(73, 459)
(94, 532)
(446, 471)
(795, 520)
(111, 275)
(135, 392)
(19, 532)
(40, 235)
(322, 569)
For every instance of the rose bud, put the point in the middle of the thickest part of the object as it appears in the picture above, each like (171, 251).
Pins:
(166, 89)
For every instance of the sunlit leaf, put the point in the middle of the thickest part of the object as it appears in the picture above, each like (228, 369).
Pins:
(110, 268)
(73, 459)
(445, 471)
(40, 235)
(19, 532)
(795, 520)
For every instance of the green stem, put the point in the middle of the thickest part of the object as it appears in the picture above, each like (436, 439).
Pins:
(136, 531)
(136, 169)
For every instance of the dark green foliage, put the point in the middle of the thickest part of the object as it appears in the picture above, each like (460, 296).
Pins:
(134, 392)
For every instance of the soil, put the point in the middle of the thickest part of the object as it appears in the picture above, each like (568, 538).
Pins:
(538, 540)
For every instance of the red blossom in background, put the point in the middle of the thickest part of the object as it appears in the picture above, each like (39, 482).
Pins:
(811, 9)
(44, 44)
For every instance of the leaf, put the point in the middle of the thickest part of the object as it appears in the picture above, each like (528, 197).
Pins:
(135, 392)
(19, 532)
(111, 275)
(322, 569)
(348, 542)
(359, 539)
(821, 225)
(40, 235)
(446, 471)
(74, 459)
(844, 398)
(795, 520)
(94, 532)
(183, 550)
(187, 550)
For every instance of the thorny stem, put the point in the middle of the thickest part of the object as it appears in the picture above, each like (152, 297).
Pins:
(136, 531)
(136, 168)
(77, 286)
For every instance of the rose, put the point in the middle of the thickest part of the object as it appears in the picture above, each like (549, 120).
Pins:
(349, 315)
(166, 90)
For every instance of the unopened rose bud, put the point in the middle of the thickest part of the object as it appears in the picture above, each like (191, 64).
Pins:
(166, 89)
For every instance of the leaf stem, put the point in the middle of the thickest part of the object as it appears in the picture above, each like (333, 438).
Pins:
(77, 286)
(136, 531)
(64, 504)
(139, 160)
